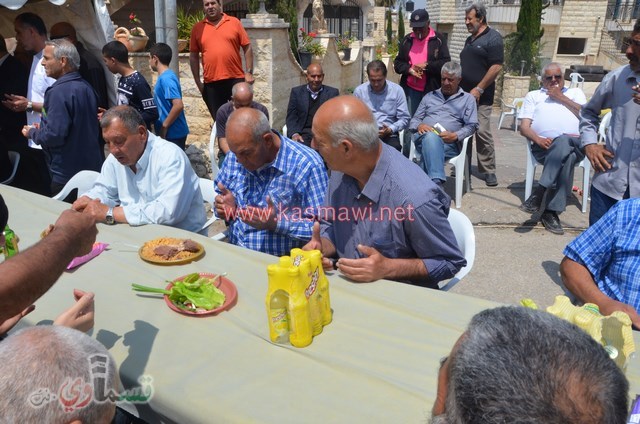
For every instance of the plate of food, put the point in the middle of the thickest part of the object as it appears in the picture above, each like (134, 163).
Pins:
(198, 294)
(171, 251)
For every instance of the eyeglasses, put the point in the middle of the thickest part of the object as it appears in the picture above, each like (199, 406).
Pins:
(552, 77)
(631, 42)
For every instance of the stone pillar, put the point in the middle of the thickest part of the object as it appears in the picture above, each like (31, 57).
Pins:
(514, 87)
(274, 67)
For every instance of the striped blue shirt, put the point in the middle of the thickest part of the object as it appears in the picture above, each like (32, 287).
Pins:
(296, 182)
(610, 249)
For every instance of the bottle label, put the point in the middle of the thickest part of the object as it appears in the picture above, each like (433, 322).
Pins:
(311, 289)
(280, 321)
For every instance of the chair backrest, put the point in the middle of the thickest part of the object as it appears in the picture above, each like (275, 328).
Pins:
(517, 103)
(212, 151)
(83, 181)
(284, 130)
(577, 80)
(208, 192)
(603, 130)
(466, 239)
(14, 158)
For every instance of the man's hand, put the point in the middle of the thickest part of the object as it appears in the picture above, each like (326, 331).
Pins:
(225, 203)
(15, 103)
(260, 218)
(417, 70)
(544, 142)
(101, 111)
(475, 93)
(607, 308)
(81, 315)
(385, 131)
(599, 157)
(316, 241)
(25, 131)
(636, 94)
(11, 322)
(297, 137)
(80, 227)
(248, 78)
(81, 203)
(555, 92)
(97, 210)
(365, 270)
(423, 128)
(449, 137)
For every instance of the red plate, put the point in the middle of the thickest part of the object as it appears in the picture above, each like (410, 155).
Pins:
(224, 284)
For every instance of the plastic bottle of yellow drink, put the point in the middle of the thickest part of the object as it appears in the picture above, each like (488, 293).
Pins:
(298, 256)
(277, 302)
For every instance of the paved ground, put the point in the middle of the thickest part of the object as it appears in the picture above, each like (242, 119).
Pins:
(515, 256)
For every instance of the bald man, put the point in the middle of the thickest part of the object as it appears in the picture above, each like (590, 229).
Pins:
(91, 69)
(241, 96)
(383, 216)
(269, 187)
(304, 101)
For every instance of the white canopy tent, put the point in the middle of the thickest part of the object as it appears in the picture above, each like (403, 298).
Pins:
(89, 17)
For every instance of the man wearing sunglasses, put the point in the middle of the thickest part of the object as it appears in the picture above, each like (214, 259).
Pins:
(617, 162)
(550, 120)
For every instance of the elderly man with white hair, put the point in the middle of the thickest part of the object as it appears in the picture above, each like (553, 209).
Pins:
(68, 132)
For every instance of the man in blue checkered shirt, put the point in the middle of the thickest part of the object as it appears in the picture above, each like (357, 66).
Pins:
(269, 188)
(602, 265)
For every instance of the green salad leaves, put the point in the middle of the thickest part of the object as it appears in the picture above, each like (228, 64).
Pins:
(191, 293)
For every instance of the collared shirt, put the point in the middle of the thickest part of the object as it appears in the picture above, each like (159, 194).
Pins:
(615, 92)
(400, 212)
(477, 56)
(296, 182)
(389, 106)
(457, 113)
(550, 118)
(610, 249)
(314, 94)
(38, 84)
(163, 190)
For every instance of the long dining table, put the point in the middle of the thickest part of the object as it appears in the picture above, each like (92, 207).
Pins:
(376, 362)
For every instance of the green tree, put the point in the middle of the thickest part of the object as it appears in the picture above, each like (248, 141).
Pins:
(400, 24)
(524, 44)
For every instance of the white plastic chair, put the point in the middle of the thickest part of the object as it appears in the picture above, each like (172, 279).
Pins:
(462, 173)
(83, 181)
(212, 153)
(603, 130)
(209, 195)
(531, 171)
(14, 158)
(466, 239)
(577, 80)
(512, 109)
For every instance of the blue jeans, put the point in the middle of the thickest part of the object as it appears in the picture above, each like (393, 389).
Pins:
(434, 153)
(414, 98)
(601, 203)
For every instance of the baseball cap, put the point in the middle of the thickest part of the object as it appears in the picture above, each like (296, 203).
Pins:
(419, 18)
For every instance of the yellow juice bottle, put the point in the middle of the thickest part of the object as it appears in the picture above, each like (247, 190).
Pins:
(315, 259)
(301, 331)
(277, 302)
(298, 256)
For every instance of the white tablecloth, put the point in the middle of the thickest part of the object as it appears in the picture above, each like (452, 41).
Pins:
(376, 362)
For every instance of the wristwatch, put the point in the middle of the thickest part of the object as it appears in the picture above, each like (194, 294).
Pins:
(109, 219)
(29, 107)
(250, 71)
(480, 90)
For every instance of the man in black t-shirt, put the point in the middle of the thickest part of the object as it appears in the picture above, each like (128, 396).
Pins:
(481, 60)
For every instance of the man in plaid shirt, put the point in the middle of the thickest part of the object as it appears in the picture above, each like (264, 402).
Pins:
(269, 188)
(602, 265)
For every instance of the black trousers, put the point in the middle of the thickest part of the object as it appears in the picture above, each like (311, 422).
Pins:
(217, 93)
(393, 140)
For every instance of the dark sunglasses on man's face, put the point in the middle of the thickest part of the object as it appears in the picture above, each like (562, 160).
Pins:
(631, 42)
(552, 77)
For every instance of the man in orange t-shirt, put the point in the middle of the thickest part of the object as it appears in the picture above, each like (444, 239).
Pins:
(219, 38)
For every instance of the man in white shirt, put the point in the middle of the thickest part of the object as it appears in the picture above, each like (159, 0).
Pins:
(550, 121)
(145, 180)
(31, 34)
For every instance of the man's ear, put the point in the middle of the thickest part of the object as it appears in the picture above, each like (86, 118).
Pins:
(142, 131)
(346, 146)
(267, 138)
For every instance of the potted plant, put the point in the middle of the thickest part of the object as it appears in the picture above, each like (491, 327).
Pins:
(308, 47)
(185, 22)
(343, 43)
(135, 38)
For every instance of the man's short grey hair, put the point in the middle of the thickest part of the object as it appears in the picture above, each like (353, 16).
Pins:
(43, 358)
(522, 365)
(552, 65)
(481, 11)
(261, 126)
(130, 118)
(65, 48)
(452, 68)
(235, 87)
(363, 133)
